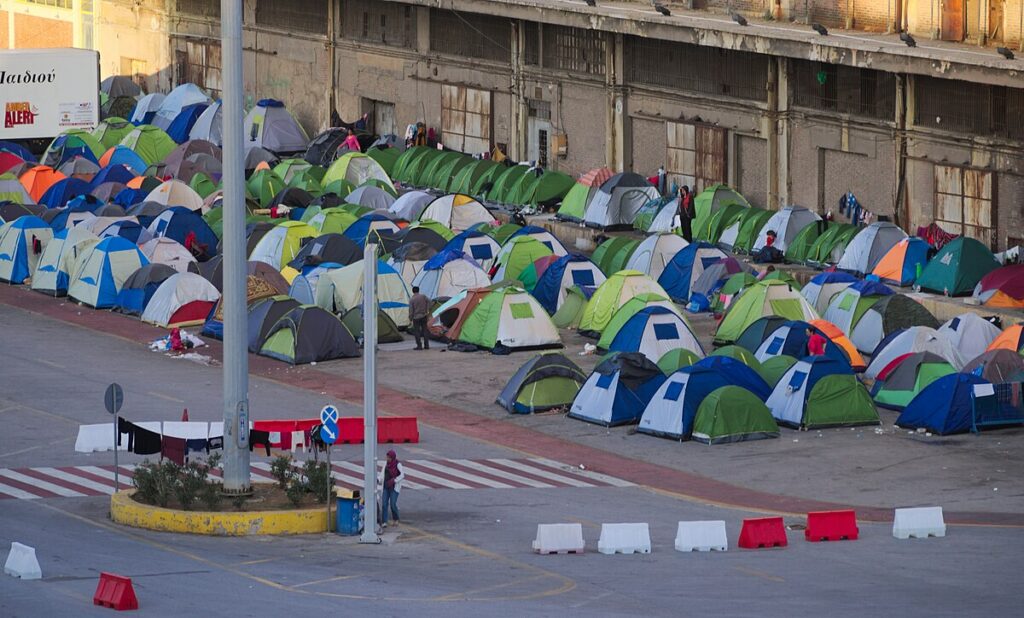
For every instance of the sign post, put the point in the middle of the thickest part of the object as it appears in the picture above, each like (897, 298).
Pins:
(370, 309)
(113, 399)
(329, 434)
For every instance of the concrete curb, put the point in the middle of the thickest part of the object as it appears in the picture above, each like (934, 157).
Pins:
(126, 511)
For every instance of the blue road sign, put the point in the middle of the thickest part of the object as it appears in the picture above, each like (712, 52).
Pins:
(329, 414)
(329, 432)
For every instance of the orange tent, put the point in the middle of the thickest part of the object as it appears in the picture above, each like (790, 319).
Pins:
(832, 332)
(448, 325)
(595, 177)
(38, 179)
(1010, 339)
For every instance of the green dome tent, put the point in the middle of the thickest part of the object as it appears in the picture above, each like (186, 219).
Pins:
(708, 202)
(759, 300)
(509, 317)
(501, 233)
(675, 360)
(387, 331)
(743, 355)
(150, 143)
(404, 160)
(957, 267)
(385, 157)
(740, 236)
(801, 244)
(722, 218)
(828, 247)
(308, 334)
(518, 253)
(263, 185)
(775, 367)
(570, 312)
(503, 184)
(733, 414)
(615, 292)
(467, 176)
(544, 382)
(488, 177)
(613, 254)
(549, 188)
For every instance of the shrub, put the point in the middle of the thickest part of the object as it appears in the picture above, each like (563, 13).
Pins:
(319, 480)
(282, 470)
(296, 490)
(156, 482)
(191, 481)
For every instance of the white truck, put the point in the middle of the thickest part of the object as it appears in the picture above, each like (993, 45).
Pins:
(44, 92)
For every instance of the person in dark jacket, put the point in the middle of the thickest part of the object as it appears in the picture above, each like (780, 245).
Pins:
(686, 213)
(419, 311)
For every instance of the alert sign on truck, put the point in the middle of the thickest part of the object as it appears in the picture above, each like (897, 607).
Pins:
(44, 92)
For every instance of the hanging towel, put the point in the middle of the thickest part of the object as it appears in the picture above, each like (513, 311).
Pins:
(173, 449)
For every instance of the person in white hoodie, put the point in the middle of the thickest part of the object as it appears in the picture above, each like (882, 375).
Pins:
(390, 478)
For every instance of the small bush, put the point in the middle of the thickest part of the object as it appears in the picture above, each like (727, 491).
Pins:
(296, 490)
(282, 470)
(238, 501)
(156, 481)
(319, 480)
(210, 496)
(191, 481)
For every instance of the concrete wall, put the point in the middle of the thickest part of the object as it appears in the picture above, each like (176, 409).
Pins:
(138, 32)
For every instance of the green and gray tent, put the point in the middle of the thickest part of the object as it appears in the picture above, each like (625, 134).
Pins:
(467, 176)
(899, 383)
(387, 331)
(733, 414)
(614, 252)
(404, 160)
(149, 142)
(957, 268)
(735, 284)
(504, 183)
(762, 299)
(263, 186)
(676, 359)
(544, 382)
(570, 312)
(800, 246)
(385, 157)
(785, 277)
(708, 202)
(549, 189)
(264, 314)
(742, 233)
(201, 184)
(308, 334)
(775, 367)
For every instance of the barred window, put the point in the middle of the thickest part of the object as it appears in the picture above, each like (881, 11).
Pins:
(60, 4)
(471, 35)
(709, 70)
(963, 107)
(843, 89)
(201, 8)
(531, 43)
(574, 49)
(299, 15)
(372, 21)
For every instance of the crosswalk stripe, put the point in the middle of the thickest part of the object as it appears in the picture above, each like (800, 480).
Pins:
(433, 465)
(412, 471)
(75, 479)
(40, 484)
(518, 465)
(124, 482)
(597, 476)
(348, 465)
(518, 478)
(14, 492)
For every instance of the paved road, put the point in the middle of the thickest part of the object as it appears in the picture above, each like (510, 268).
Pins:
(459, 551)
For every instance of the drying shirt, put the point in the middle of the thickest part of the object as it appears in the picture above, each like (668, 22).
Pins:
(217, 442)
(173, 449)
(140, 441)
(197, 445)
(261, 438)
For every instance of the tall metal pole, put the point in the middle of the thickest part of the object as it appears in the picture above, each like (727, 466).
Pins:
(236, 360)
(370, 394)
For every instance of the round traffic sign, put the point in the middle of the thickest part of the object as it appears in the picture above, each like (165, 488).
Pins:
(113, 399)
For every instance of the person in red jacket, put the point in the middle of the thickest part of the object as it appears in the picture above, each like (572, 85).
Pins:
(815, 343)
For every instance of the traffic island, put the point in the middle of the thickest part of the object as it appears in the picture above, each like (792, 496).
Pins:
(127, 511)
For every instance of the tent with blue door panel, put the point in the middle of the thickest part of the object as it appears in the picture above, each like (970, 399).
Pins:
(360, 229)
(57, 263)
(181, 127)
(448, 273)
(618, 390)
(818, 392)
(820, 290)
(476, 245)
(673, 408)
(139, 287)
(131, 230)
(179, 223)
(630, 308)
(654, 253)
(21, 245)
(544, 382)
(545, 237)
(686, 267)
(562, 274)
(615, 292)
(654, 331)
(791, 339)
(101, 271)
(944, 406)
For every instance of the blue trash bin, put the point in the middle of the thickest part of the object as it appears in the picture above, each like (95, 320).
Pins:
(348, 516)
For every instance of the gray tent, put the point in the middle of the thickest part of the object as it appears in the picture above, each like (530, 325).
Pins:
(618, 200)
(269, 125)
(120, 86)
(869, 246)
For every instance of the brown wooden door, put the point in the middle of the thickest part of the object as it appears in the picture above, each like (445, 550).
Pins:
(953, 20)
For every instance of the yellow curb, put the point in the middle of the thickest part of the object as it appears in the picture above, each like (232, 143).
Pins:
(124, 510)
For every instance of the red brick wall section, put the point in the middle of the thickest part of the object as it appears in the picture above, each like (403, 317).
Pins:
(31, 31)
(869, 15)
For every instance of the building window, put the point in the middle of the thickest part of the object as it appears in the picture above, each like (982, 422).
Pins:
(470, 35)
(574, 49)
(299, 15)
(199, 63)
(531, 43)
(964, 107)
(372, 21)
(200, 8)
(60, 4)
(466, 119)
(696, 155)
(963, 202)
(847, 90)
(707, 70)
(135, 68)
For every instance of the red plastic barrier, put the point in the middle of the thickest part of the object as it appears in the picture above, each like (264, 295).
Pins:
(763, 532)
(831, 526)
(398, 429)
(350, 430)
(115, 591)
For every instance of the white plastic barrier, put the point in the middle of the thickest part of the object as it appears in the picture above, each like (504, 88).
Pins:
(559, 539)
(21, 562)
(98, 438)
(701, 536)
(189, 430)
(918, 523)
(624, 539)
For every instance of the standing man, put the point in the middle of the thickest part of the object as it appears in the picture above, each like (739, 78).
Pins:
(419, 309)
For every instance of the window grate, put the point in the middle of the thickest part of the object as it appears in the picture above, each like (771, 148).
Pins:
(531, 44)
(847, 90)
(308, 16)
(470, 35)
(574, 49)
(963, 107)
(706, 70)
(202, 8)
(386, 23)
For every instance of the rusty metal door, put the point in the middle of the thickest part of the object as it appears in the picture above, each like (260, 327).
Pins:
(466, 119)
(964, 202)
(710, 158)
(953, 22)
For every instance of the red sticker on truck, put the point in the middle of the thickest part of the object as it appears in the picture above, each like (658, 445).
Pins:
(19, 113)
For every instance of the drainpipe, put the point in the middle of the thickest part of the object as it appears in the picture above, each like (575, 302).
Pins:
(332, 17)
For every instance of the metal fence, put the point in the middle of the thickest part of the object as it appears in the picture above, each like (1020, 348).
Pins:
(994, 405)
(847, 90)
(693, 68)
(201, 8)
(302, 15)
(471, 35)
(372, 21)
(964, 107)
